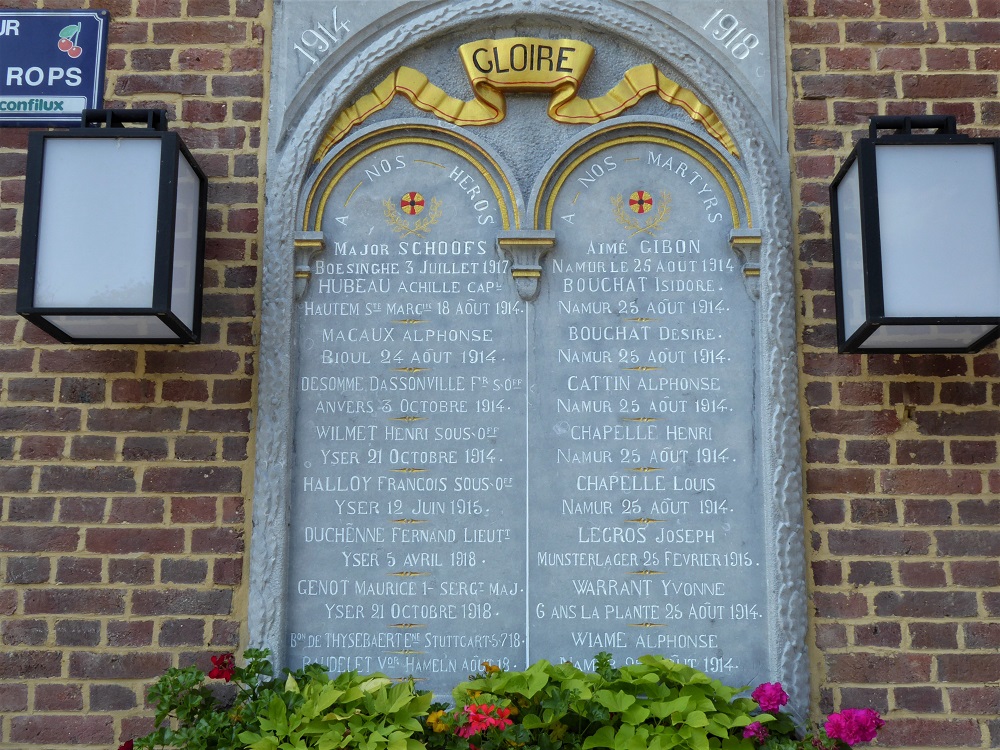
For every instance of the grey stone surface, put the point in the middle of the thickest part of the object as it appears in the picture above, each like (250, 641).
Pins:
(762, 526)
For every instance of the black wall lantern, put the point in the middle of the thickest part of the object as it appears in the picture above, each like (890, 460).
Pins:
(113, 238)
(916, 239)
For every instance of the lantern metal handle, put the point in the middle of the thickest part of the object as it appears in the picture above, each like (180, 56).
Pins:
(904, 124)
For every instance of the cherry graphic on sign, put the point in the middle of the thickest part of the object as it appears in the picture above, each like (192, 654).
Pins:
(68, 40)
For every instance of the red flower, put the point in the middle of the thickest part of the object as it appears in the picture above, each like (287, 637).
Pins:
(854, 725)
(770, 696)
(127, 745)
(224, 666)
(756, 731)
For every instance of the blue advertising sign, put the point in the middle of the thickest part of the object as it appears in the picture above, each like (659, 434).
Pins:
(51, 65)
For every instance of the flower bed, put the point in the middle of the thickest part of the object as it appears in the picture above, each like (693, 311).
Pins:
(655, 704)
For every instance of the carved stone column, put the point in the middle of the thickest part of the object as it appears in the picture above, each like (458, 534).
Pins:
(525, 248)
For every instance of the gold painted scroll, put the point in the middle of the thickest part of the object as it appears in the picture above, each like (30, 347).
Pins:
(526, 64)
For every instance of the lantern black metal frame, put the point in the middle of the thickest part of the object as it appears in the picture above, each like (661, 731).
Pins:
(171, 150)
(864, 153)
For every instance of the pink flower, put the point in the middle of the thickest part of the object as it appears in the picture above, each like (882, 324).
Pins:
(756, 731)
(223, 667)
(854, 725)
(770, 696)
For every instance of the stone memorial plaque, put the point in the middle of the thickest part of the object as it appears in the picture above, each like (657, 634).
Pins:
(645, 535)
(408, 525)
(527, 381)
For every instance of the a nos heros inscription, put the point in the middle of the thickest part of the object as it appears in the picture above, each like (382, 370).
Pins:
(408, 514)
(648, 489)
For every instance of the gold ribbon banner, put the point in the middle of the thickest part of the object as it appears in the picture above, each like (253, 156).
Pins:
(526, 64)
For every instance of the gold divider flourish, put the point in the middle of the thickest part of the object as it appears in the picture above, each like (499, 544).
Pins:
(547, 65)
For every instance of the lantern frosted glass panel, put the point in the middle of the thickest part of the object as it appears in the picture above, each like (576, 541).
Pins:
(185, 267)
(852, 264)
(98, 199)
(940, 233)
(909, 337)
(125, 327)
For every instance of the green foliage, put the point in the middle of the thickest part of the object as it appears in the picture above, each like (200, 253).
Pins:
(352, 711)
(300, 710)
(654, 704)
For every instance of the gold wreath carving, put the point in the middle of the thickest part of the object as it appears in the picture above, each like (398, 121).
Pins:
(419, 227)
(634, 226)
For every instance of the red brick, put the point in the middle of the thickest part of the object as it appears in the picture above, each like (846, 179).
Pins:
(83, 479)
(111, 698)
(219, 420)
(104, 666)
(848, 58)
(830, 635)
(920, 365)
(134, 391)
(869, 452)
(947, 59)
(225, 634)
(183, 571)
(979, 512)
(827, 511)
(216, 541)
(975, 32)
(898, 58)
(227, 571)
(930, 482)
(144, 449)
(926, 604)
(27, 665)
(968, 452)
(971, 700)
(894, 32)
(927, 512)
(141, 419)
(24, 632)
(93, 448)
(877, 635)
(900, 8)
(860, 422)
(182, 602)
(901, 732)
(28, 509)
(39, 419)
(971, 668)
(81, 360)
(982, 634)
(950, 8)
(124, 540)
(13, 698)
(927, 452)
(81, 509)
(130, 571)
(922, 574)
(823, 32)
(143, 510)
(919, 699)
(61, 729)
(189, 85)
(838, 481)
(964, 423)
(186, 632)
(38, 538)
(194, 479)
(78, 633)
(869, 668)
(934, 635)
(79, 570)
(81, 601)
(966, 543)
(878, 542)
(199, 32)
(41, 447)
(22, 570)
(195, 448)
(193, 363)
(869, 572)
(131, 634)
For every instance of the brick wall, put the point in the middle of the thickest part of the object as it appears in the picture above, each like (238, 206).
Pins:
(124, 470)
(901, 452)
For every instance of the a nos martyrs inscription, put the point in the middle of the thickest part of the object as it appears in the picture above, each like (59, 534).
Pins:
(645, 520)
(479, 478)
